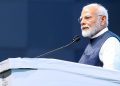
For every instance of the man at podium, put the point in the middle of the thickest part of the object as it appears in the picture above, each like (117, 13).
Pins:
(103, 48)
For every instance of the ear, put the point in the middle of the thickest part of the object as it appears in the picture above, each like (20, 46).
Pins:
(103, 20)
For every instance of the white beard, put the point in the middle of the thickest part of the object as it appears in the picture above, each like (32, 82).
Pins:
(91, 31)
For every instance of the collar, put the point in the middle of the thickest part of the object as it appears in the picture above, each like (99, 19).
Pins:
(100, 33)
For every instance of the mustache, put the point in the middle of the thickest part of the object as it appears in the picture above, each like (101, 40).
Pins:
(85, 27)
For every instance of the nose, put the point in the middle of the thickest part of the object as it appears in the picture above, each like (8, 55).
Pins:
(82, 22)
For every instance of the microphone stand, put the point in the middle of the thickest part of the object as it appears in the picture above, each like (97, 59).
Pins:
(75, 39)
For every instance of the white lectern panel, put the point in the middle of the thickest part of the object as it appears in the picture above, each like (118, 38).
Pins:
(52, 72)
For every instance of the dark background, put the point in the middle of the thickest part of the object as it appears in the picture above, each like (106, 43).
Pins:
(29, 28)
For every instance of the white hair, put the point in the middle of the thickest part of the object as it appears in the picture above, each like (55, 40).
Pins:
(101, 10)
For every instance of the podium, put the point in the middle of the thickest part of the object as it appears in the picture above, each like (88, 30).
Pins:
(53, 72)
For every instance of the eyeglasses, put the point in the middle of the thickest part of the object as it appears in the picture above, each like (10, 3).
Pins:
(79, 19)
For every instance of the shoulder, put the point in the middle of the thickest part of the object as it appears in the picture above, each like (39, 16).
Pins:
(112, 40)
(111, 43)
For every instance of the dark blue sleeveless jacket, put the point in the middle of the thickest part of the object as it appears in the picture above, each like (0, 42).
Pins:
(91, 53)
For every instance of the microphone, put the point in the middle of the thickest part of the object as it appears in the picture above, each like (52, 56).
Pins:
(76, 39)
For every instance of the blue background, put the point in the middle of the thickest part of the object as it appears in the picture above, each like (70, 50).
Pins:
(29, 28)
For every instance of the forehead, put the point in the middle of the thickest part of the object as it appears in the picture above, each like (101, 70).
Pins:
(90, 10)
